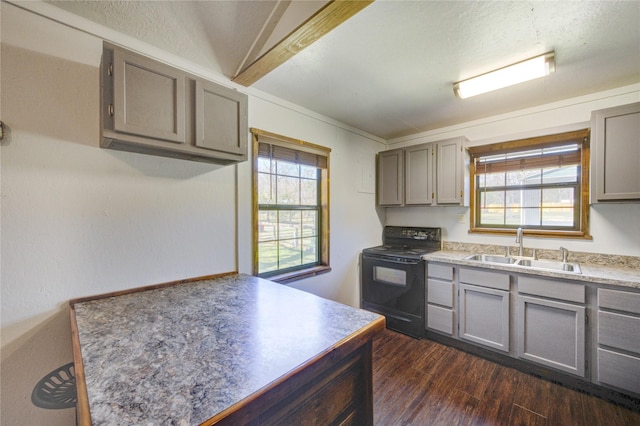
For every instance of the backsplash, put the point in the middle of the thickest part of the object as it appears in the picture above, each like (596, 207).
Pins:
(579, 257)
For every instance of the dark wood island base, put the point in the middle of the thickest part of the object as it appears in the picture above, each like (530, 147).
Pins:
(335, 389)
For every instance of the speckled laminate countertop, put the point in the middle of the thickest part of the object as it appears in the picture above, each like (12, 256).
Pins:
(181, 354)
(616, 276)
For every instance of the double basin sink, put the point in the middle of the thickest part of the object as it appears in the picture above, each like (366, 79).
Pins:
(527, 263)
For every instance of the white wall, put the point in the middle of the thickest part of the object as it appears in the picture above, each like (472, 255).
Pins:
(78, 220)
(615, 227)
(354, 223)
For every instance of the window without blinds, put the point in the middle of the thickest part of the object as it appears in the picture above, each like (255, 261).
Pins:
(290, 209)
(534, 186)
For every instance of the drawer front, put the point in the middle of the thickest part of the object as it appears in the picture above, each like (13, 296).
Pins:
(619, 370)
(440, 292)
(553, 289)
(440, 319)
(619, 300)
(619, 331)
(444, 272)
(485, 278)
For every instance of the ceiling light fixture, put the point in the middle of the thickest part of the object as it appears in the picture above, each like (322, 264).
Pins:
(513, 74)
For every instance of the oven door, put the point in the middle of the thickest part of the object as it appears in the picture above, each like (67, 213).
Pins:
(395, 289)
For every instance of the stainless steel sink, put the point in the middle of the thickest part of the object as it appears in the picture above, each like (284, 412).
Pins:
(547, 265)
(550, 265)
(492, 258)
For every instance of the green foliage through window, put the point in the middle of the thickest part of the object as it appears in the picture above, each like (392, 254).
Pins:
(288, 215)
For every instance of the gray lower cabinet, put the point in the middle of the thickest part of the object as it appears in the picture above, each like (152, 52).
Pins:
(552, 323)
(484, 308)
(440, 303)
(552, 333)
(152, 108)
(615, 150)
(547, 319)
(618, 340)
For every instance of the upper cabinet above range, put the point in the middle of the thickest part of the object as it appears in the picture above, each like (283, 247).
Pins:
(615, 154)
(425, 174)
(152, 108)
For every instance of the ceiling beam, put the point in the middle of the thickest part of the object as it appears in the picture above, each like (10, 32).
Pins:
(324, 20)
(265, 32)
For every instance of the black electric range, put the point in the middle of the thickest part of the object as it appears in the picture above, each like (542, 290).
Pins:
(393, 276)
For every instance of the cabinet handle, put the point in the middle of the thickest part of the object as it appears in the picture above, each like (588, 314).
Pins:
(110, 109)
(461, 193)
(110, 69)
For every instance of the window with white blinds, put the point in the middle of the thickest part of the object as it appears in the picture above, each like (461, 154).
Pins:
(538, 184)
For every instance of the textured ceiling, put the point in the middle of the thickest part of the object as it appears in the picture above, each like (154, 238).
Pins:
(215, 34)
(389, 69)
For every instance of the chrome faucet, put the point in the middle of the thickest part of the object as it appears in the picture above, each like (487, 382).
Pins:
(565, 254)
(519, 240)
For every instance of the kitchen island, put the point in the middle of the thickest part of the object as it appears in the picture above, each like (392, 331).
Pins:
(228, 349)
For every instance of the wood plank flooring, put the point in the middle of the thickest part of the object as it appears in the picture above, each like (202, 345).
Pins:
(421, 382)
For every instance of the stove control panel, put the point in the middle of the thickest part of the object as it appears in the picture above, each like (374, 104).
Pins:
(411, 236)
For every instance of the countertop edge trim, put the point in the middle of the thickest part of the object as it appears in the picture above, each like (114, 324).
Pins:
(83, 416)
(585, 276)
(73, 302)
(347, 345)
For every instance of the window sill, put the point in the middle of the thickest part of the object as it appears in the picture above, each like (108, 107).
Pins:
(299, 275)
(533, 233)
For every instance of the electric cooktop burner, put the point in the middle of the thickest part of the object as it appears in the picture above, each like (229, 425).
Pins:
(407, 242)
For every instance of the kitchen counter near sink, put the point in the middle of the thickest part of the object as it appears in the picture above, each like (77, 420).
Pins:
(229, 349)
(616, 276)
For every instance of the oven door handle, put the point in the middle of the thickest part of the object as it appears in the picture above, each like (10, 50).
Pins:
(382, 259)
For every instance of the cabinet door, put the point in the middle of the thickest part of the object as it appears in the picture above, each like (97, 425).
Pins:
(220, 118)
(391, 177)
(419, 174)
(484, 316)
(450, 175)
(616, 136)
(149, 98)
(552, 333)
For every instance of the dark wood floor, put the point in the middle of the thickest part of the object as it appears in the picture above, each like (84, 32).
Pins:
(421, 382)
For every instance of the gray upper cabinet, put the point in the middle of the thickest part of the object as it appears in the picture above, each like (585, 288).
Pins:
(220, 118)
(391, 178)
(152, 108)
(424, 174)
(148, 98)
(405, 176)
(450, 177)
(615, 137)
(418, 174)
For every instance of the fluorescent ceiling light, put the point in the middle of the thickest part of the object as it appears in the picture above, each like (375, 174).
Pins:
(513, 74)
